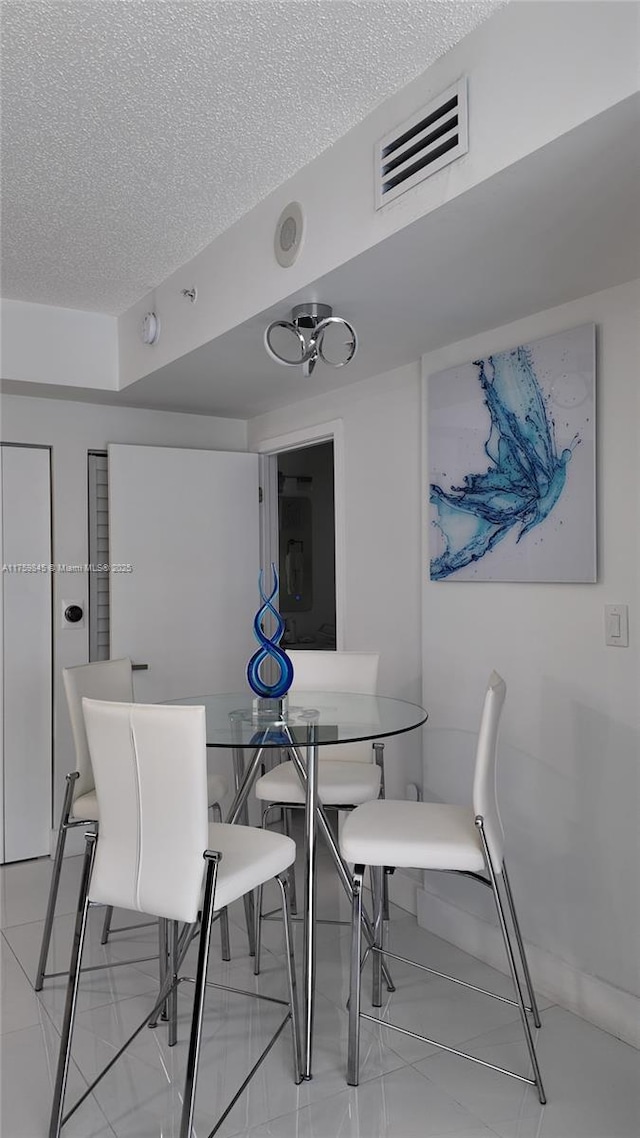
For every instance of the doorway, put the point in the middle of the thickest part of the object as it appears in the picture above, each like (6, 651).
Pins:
(306, 546)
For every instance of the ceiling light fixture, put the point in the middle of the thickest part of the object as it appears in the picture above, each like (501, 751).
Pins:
(312, 333)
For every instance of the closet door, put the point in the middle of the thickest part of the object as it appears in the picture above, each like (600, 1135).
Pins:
(184, 567)
(26, 652)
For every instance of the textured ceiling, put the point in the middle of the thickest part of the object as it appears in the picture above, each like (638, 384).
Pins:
(135, 131)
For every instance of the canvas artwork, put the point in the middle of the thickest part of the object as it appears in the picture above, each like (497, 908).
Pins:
(511, 459)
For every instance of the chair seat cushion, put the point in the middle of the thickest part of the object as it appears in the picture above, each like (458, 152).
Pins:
(340, 783)
(421, 835)
(250, 856)
(85, 807)
(216, 788)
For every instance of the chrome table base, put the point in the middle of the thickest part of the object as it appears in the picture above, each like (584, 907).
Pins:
(315, 820)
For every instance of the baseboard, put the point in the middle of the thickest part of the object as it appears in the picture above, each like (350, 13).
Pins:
(595, 1000)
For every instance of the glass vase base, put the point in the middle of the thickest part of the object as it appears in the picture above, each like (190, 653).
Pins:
(267, 709)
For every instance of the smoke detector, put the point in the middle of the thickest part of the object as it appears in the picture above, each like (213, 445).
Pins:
(150, 330)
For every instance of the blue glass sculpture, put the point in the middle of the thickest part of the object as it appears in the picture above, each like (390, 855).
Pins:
(269, 647)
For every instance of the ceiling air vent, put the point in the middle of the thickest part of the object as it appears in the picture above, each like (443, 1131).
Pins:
(430, 139)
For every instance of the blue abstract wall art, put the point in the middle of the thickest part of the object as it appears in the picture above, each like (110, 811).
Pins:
(512, 464)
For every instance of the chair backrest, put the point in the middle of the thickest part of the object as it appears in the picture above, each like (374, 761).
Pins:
(485, 801)
(337, 671)
(106, 679)
(150, 767)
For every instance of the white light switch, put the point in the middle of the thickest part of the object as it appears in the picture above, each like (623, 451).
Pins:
(616, 624)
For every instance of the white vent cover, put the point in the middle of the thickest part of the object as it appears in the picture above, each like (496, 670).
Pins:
(432, 138)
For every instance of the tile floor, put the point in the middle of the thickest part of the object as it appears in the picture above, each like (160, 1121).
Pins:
(407, 1088)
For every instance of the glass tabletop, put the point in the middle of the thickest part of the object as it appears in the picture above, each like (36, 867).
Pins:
(233, 720)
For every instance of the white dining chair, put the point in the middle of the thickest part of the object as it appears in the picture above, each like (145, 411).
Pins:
(348, 773)
(154, 851)
(106, 680)
(453, 839)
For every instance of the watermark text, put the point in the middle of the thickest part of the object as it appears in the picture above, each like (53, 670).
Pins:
(62, 567)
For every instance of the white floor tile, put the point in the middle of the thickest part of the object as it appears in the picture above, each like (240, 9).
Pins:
(398, 1105)
(406, 938)
(407, 1088)
(235, 1032)
(592, 1081)
(97, 987)
(29, 1060)
(441, 1011)
(25, 890)
(19, 1005)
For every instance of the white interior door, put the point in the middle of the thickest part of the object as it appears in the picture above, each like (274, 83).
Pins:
(186, 522)
(25, 620)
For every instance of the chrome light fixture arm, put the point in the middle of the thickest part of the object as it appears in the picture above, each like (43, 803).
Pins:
(304, 334)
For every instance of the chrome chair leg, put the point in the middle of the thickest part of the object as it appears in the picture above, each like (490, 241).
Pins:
(172, 999)
(250, 921)
(225, 942)
(286, 826)
(163, 967)
(57, 1108)
(239, 813)
(523, 956)
(345, 877)
(258, 907)
(195, 1038)
(106, 927)
(377, 876)
(379, 760)
(283, 882)
(258, 931)
(340, 864)
(353, 1057)
(512, 963)
(385, 896)
(55, 880)
(163, 951)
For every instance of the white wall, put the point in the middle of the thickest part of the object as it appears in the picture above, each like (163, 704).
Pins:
(569, 777)
(41, 343)
(71, 429)
(570, 753)
(570, 768)
(381, 425)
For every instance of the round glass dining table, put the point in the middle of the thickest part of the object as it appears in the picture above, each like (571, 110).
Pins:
(301, 724)
(239, 718)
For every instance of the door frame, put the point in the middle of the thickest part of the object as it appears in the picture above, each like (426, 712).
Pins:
(268, 450)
